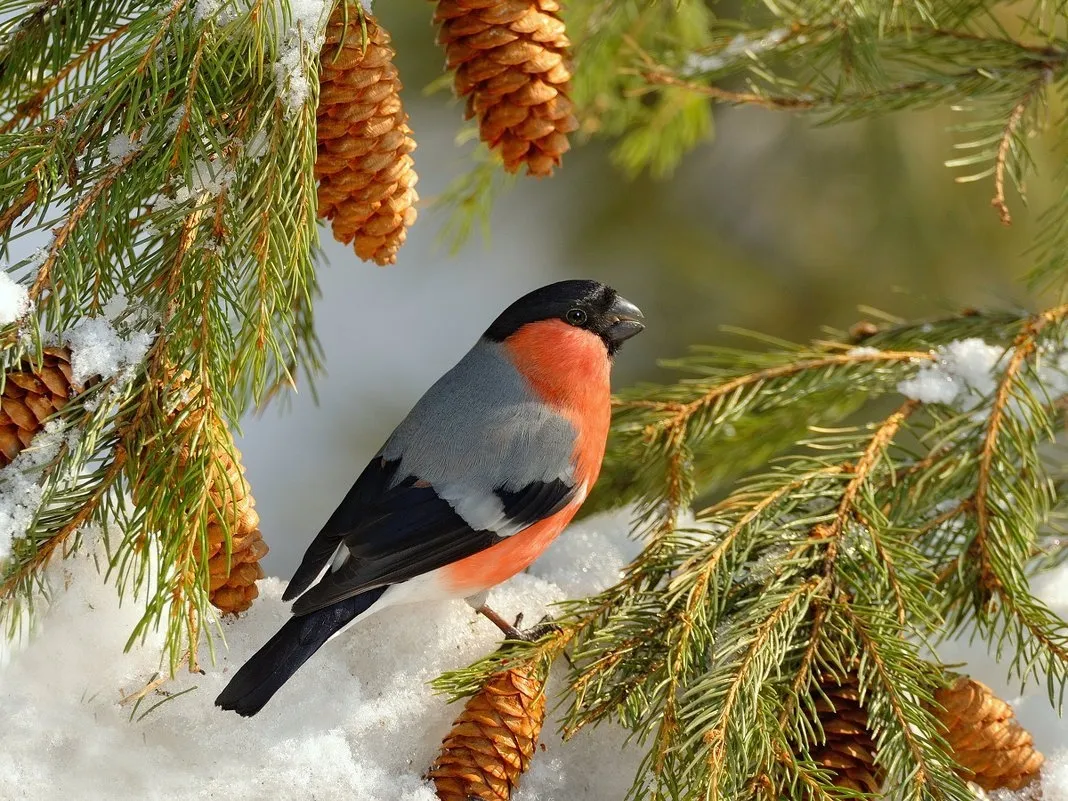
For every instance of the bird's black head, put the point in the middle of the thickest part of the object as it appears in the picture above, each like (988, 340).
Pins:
(584, 304)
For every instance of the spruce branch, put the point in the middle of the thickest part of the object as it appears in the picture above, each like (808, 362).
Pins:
(830, 561)
(170, 156)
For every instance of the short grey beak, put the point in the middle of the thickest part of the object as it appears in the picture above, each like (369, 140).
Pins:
(626, 323)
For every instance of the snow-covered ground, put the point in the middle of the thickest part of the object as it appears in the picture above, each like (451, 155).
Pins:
(358, 723)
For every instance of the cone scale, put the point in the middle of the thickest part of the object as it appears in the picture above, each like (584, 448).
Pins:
(30, 397)
(848, 751)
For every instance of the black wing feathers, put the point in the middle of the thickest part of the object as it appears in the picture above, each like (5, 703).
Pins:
(369, 490)
(395, 533)
(535, 501)
(410, 531)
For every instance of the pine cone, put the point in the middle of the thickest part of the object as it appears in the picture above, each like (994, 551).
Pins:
(510, 58)
(232, 577)
(993, 750)
(492, 741)
(233, 580)
(848, 751)
(31, 396)
(366, 176)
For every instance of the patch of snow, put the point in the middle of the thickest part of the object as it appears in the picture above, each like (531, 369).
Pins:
(220, 11)
(120, 146)
(1052, 371)
(304, 38)
(97, 349)
(257, 145)
(14, 299)
(961, 374)
(864, 350)
(208, 180)
(20, 492)
(740, 45)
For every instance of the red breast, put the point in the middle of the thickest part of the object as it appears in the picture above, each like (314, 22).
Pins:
(568, 368)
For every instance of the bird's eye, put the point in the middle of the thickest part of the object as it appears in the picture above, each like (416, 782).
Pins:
(575, 316)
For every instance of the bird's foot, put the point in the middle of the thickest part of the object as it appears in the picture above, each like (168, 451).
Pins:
(513, 632)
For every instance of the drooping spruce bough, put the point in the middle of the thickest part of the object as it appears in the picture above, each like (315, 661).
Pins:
(169, 147)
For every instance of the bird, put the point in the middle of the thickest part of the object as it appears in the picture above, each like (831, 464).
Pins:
(487, 469)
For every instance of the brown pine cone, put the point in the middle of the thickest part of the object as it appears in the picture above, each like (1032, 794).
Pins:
(993, 750)
(848, 751)
(365, 172)
(30, 396)
(233, 579)
(232, 575)
(510, 58)
(492, 741)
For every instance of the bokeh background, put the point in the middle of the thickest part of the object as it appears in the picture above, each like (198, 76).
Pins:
(775, 224)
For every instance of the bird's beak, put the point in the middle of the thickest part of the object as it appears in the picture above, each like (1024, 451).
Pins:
(625, 318)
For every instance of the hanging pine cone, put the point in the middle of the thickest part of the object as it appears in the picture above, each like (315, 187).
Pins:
(232, 575)
(993, 750)
(31, 396)
(492, 741)
(510, 58)
(233, 580)
(365, 172)
(848, 751)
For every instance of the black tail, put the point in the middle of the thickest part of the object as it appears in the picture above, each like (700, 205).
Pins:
(271, 666)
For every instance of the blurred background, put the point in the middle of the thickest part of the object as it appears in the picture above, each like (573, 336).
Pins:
(775, 224)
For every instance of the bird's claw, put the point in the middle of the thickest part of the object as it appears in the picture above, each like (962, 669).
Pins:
(532, 633)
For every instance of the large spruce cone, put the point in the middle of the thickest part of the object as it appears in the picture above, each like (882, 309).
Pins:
(993, 750)
(492, 741)
(31, 396)
(365, 172)
(510, 58)
(849, 751)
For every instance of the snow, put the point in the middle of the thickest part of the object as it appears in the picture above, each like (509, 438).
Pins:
(97, 349)
(865, 350)
(20, 494)
(119, 147)
(304, 37)
(14, 299)
(740, 45)
(208, 180)
(358, 723)
(961, 374)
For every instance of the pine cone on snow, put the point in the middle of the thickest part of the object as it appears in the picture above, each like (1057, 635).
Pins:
(365, 172)
(993, 750)
(30, 397)
(510, 58)
(848, 751)
(493, 740)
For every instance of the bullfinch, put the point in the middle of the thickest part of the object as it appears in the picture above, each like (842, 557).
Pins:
(485, 471)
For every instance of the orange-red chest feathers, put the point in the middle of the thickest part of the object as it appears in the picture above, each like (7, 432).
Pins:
(569, 370)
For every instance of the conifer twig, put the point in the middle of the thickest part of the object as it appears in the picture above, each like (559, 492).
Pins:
(1005, 145)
